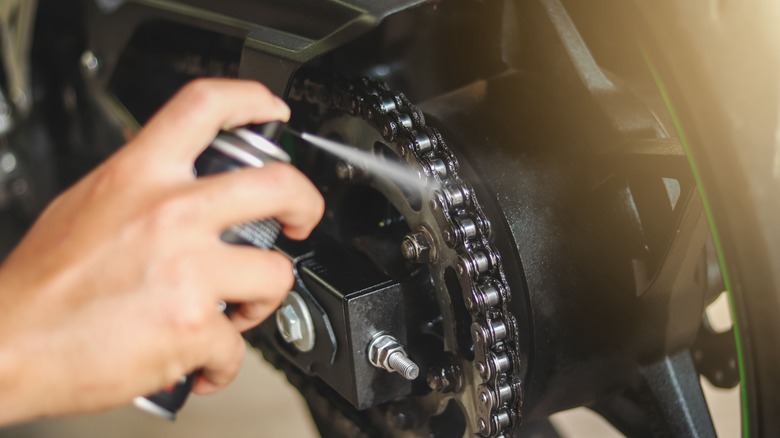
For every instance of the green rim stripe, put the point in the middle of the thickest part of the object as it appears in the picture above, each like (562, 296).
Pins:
(715, 236)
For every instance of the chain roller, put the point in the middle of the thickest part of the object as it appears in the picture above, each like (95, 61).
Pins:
(465, 229)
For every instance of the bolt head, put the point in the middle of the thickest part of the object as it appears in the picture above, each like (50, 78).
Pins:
(289, 324)
(416, 248)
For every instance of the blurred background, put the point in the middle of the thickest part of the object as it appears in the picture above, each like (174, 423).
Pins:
(260, 403)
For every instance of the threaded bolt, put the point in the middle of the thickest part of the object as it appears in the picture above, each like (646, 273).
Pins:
(385, 352)
(403, 365)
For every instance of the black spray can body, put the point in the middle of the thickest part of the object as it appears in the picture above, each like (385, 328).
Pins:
(241, 148)
(231, 150)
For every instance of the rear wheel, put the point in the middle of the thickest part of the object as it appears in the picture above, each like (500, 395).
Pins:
(599, 216)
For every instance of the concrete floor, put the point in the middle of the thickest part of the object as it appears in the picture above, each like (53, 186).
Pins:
(260, 403)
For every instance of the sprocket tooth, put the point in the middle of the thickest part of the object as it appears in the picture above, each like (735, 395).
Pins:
(453, 208)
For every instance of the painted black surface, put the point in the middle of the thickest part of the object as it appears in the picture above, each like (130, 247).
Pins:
(350, 301)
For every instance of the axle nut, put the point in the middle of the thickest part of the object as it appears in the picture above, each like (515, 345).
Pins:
(294, 323)
(385, 352)
(289, 324)
(418, 247)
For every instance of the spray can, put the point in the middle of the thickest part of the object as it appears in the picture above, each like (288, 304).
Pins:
(231, 150)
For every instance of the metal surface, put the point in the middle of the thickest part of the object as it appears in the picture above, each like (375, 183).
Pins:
(295, 324)
(273, 32)
(366, 113)
(579, 273)
(730, 121)
(418, 247)
(349, 300)
(576, 181)
(675, 384)
(385, 352)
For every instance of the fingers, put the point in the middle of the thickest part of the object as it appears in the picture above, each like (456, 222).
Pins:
(224, 360)
(170, 142)
(259, 280)
(251, 314)
(276, 191)
(183, 128)
(242, 273)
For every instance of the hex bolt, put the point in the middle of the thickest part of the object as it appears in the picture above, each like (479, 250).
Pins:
(385, 352)
(289, 324)
(418, 248)
(295, 324)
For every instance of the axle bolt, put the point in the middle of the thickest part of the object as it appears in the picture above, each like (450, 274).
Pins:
(294, 323)
(385, 352)
(289, 324)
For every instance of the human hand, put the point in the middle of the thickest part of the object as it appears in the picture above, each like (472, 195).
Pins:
(114, 292)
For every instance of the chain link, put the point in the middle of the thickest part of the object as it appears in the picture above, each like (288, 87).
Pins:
(465, 229)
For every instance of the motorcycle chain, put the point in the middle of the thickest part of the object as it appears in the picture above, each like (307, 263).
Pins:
(465, 229)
